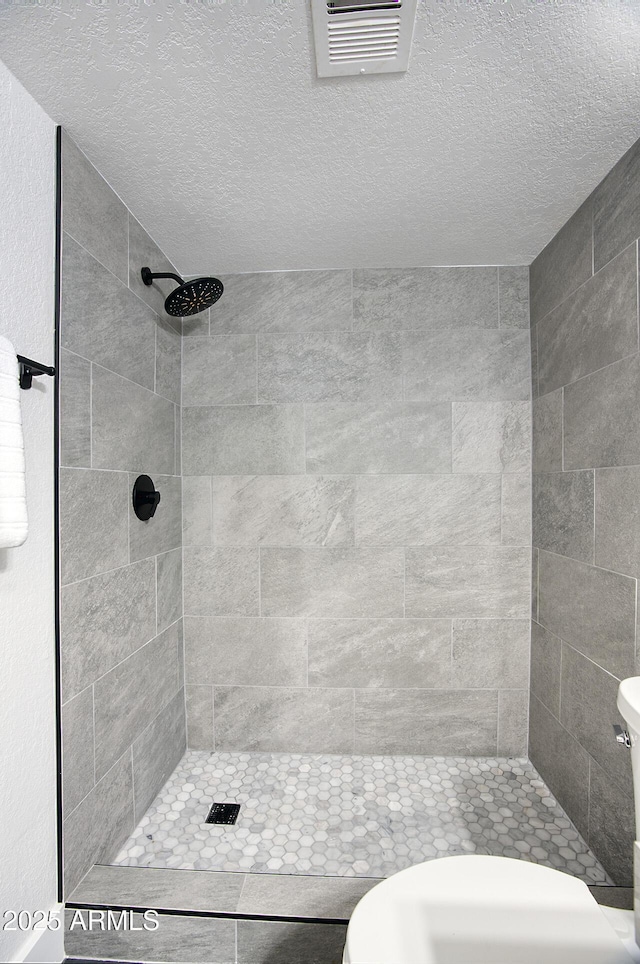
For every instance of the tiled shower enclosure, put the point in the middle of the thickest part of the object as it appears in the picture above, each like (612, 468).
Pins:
(333, 599)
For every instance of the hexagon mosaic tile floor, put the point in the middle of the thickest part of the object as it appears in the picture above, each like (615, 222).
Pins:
(354, 816)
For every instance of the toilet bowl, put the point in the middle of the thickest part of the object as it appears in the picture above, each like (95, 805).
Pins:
(482, 910)
(477, 909)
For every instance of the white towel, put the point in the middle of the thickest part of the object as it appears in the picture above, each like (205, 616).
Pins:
(13, 490)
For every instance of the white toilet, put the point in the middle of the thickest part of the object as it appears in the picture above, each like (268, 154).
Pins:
(495, 910)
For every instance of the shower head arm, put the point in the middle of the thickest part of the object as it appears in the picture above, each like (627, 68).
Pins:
(148, 276)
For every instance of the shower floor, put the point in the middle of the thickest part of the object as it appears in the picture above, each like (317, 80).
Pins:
(354, 816)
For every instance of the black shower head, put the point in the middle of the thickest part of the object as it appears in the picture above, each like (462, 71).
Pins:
(190, 297)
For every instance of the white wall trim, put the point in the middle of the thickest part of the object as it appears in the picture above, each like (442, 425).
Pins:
(44, 947)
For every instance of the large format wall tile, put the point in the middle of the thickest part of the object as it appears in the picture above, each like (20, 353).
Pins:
(157, 752)
(205, 940)
(94, 831)
(163, 531)
(616, 208)
(489, 365)
(104, 619)
(588, 711)
(219, 370)
(221, 582)
(516, 509)
(304, 897)
(546, 656)
(563, 513)
(132, 428)
(426, 721)
(470, 581)
(612, 825)
(590, 608)
(563, 265)
(196, 510)
(596, 325)
(405, 510)
(563, 761)
(345, 367)
(168, 361)
(289, 943)
(490, 653)
(299, 510)
(78, 760)
(129, 697)
(514, 296)
(617, 519)
(192, 890)
(380, 652)
(513, 723)
(387, 437)
(280, 719)
(94, 530)
(272, 440)
(75, 410)
(547, 433)
(246, 652)
(199, 702)
(492, 437)
(169, 587)
(103, 320)
(406, 298)
(535, 388)
(92, 213)
(601, 427)
(332, 582)
(302, 301)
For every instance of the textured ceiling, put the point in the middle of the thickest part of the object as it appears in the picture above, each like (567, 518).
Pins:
(207, 118)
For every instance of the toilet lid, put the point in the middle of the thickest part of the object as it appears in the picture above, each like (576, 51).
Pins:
(481, 910)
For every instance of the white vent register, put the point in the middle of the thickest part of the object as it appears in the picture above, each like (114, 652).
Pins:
(362, 38)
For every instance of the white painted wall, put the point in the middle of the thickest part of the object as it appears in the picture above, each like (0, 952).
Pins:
(27, 670)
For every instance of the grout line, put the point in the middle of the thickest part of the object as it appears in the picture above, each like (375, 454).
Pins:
(259, 580)
(635, 634)
(257, 349)
(133, 787)
(353, 302)
(580, 562)
(213, 716)
(90, 414)
(155, 586)
(585, 282)
(593, 541)
(93, 717)
(596, 371)
(404, 582)
(103, 777)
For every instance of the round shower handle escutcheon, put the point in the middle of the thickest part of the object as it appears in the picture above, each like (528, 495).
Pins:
(145, 498)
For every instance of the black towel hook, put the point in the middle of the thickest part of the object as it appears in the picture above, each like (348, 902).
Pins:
(29, 368)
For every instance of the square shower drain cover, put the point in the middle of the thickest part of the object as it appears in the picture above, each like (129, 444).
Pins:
(223, 813)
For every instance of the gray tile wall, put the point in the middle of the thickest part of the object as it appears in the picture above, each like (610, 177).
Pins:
(179, 939)
(121, 579)
(356, 459)
(586, 525)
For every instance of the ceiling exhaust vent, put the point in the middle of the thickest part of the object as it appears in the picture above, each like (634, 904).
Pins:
(372, 37)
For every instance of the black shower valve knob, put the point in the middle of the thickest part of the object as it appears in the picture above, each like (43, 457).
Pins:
(145, 498)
